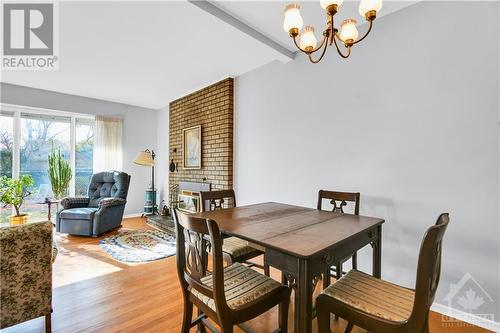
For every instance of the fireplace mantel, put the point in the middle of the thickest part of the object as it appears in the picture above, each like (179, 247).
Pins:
(194, 186)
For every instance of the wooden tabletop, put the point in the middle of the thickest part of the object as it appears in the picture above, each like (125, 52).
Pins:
(299, 231)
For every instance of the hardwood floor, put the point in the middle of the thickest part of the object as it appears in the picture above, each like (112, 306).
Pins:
(95, 293)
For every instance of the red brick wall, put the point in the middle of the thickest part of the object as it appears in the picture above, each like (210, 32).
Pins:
(212, 108)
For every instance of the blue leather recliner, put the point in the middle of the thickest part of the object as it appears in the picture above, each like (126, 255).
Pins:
(99, 212)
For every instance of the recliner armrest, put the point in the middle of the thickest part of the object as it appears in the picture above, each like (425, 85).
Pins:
(75, 202)
(110, 202)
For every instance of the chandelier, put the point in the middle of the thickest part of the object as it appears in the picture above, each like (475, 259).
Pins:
(347, 36)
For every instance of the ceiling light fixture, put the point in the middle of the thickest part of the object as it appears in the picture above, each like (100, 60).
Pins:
(348, 34)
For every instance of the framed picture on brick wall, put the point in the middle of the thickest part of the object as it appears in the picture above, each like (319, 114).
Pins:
(191, 144)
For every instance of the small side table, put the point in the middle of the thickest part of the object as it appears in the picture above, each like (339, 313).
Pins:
(49, 203)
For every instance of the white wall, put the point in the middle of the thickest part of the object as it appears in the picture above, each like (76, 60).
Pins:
(139, 129)
(410, 121)
(498, 126)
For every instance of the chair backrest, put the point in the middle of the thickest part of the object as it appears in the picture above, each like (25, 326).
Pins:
(192, 257)
(429, 268)
(339, 200)
(110, 184)
(213, 200)
(26, 266)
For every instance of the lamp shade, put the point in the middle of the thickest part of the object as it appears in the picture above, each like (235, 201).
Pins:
(348, 31)
(144, 158)
(293, 20)
(367, 5)
(308, 41)
(326, 3)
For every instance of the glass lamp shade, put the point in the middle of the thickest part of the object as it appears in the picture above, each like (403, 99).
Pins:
(292, 17)
(308, 40)
(348, 31)
(367, 5)
(144, 158)
(326, 3)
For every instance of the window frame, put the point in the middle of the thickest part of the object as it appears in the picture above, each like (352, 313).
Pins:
(16, 110)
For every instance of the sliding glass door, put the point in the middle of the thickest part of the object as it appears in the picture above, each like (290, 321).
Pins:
(39, 135)
(6, 151)
(27, 137)
(6, 143)
(84, 155)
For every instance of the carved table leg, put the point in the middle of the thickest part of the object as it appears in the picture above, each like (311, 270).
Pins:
(326, 277)
(377, 253)
(303, 298)
(290, 281)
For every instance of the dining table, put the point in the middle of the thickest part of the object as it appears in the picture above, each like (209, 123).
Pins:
(303, 243)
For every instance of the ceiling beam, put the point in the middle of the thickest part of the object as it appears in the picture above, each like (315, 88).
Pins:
(286, 54)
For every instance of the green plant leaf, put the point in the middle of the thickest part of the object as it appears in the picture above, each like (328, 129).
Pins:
(59, 173)
(13, 191)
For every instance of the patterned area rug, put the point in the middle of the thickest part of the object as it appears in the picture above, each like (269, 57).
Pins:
(134, 246)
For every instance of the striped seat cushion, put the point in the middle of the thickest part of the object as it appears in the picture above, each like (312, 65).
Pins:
(237, 247)
(242, 285)
(373, 296)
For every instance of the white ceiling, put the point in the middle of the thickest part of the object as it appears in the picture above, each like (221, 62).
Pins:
(149, 53)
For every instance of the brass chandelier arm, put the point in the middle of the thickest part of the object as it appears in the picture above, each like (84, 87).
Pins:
(338, 49)
(325, 38)
(322, 53)
(366, 34)
(359, 40)
(335, 36)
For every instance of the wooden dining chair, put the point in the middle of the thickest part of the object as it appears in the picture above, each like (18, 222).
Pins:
(339, 200)
(380, 306)
(228, 296)
(233, 248)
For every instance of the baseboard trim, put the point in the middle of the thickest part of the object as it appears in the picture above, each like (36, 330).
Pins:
(466, 317)
(128, 216)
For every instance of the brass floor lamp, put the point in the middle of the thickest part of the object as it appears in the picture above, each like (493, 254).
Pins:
(147, 158)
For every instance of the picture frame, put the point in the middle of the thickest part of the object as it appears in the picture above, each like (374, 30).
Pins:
(191, 147)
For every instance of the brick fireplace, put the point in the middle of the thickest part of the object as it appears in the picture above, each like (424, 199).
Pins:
(212, 108)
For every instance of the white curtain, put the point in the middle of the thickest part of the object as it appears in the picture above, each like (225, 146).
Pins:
(108, 144)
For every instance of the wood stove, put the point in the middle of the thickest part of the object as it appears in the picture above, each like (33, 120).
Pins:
(188, 200)
(188, 196)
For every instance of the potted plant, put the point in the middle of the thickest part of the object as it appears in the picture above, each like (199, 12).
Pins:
(13, 192)
(59, 173)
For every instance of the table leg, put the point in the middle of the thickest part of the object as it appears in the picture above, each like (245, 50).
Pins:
(326, 277)
(377, 253)
(49, 216)
(303, 298)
